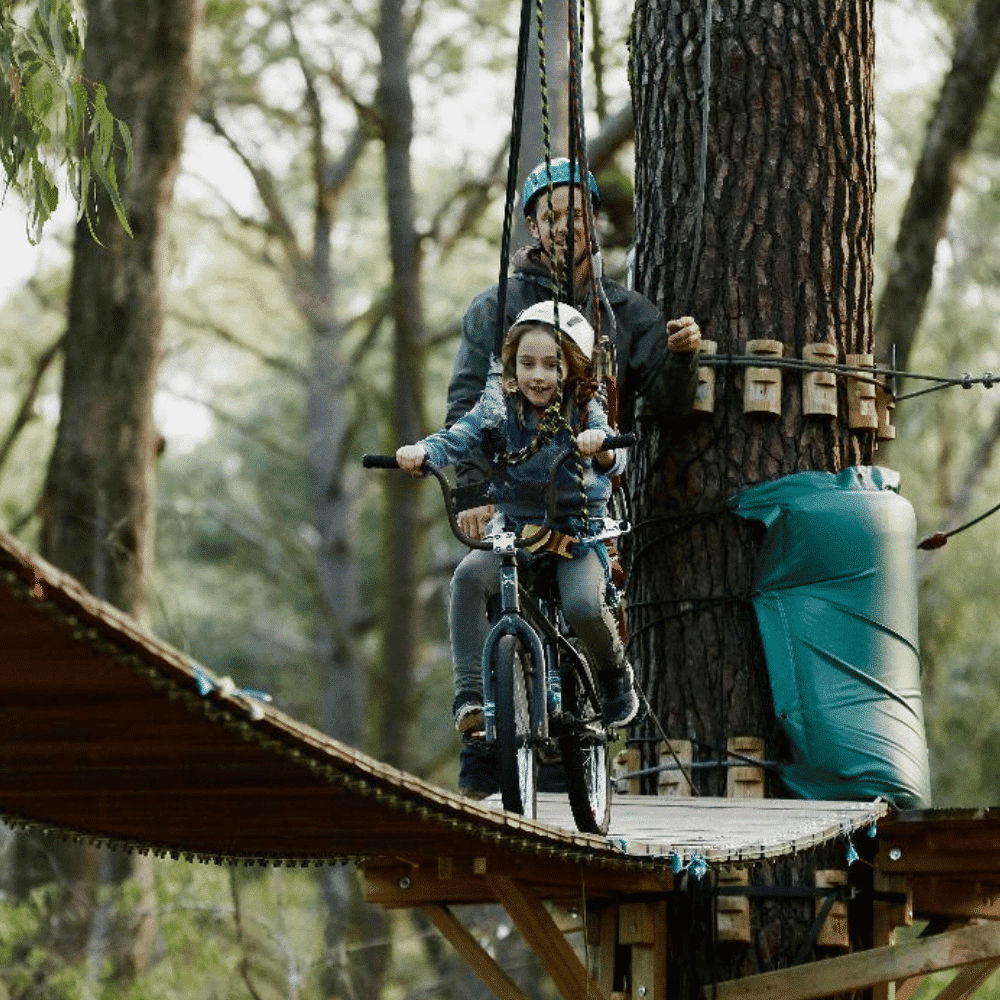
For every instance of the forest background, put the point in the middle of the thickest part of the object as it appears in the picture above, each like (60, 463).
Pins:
(256, 401)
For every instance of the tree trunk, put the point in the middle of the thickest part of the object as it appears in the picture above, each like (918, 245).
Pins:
(97, 510)
(964, 94)
(766, 234)
(406, 423)
(97, 504)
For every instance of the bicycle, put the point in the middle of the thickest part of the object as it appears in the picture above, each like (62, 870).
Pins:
(540, 698)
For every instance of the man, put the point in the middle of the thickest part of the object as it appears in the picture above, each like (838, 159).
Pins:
(656, 362)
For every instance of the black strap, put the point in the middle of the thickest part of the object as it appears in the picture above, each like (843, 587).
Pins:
(513, 162)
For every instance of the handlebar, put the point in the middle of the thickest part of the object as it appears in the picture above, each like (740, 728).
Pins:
(389, 462)
(379, 462)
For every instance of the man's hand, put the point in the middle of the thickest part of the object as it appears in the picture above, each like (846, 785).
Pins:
(683, 335)
(474, 520)
(411, 458)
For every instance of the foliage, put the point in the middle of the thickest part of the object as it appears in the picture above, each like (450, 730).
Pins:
(234, 584)
(51, 117)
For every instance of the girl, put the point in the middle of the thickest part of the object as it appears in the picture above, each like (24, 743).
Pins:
(523, 413)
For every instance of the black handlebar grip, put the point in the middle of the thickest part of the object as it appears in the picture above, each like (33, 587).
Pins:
(618, 441)
(379, 462)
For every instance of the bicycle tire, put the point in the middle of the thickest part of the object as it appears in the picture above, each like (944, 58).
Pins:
(588, 779)
(518, 765)
(584, 750)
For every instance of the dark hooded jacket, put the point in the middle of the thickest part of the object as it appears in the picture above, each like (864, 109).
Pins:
(664, 381)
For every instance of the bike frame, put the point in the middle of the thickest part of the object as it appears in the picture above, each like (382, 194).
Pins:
(546, 681)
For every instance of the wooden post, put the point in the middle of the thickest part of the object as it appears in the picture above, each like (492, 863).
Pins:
(886, 918)
(606, 946)
(762, 386)
(628, 761)
(745, 781)
(704, 397)
(885, 405)
(733, 912)
(861, 411)
(819, 388)
(834, 931)
(675, 783)
(643, 926)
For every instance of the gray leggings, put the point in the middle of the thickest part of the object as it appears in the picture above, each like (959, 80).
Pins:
(582, 586)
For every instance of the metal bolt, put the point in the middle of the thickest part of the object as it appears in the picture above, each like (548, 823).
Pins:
(643, 991)
(895, 854)
(404, 882)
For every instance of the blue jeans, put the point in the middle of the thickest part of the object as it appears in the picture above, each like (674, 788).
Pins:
(582, 585)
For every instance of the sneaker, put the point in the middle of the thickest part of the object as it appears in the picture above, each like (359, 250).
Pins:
(478, 772)
(619, 701)
(468, 708)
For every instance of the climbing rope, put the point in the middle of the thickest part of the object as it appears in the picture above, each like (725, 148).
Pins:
(513, 161)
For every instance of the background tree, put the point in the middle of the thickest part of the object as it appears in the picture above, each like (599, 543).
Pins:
(761, 227)
(97, 502)
(239, 530)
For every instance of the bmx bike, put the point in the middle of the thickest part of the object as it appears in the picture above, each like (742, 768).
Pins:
(540, 698)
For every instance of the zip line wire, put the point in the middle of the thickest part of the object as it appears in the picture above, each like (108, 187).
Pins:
(863, 373)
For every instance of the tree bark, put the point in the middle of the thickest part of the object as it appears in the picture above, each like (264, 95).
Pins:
(767, 234)
(406, 419)
(964, 94)
(97, 504)
(96, 508)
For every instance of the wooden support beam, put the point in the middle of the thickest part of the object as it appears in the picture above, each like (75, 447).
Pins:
(968, 980)
(545, 939)
(955, 897)
(460, 880)
(476, 957)
(907, 988)
(886, 917)
(607, 948)
(643, 926)
(862, 969)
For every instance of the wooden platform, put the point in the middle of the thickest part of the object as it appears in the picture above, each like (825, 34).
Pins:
(114, 736)
(110, 735)
(720, 831)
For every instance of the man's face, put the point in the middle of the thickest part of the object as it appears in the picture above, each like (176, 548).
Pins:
(553, 231)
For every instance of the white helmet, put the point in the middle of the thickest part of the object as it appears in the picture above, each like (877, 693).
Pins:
(570, 322)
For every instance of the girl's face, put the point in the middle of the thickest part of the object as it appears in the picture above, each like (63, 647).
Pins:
(540, 368)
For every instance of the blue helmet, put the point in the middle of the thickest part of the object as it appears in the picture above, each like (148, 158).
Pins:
(538, 180)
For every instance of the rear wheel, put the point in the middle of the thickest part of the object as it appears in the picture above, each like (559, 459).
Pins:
(518, 765)
(584, 751)
(588, 779)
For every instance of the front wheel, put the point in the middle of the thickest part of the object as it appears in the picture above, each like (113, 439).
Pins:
(588, 778)
(518, 766)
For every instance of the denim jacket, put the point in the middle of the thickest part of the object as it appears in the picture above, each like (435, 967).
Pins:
(666, 382)
(518, 490)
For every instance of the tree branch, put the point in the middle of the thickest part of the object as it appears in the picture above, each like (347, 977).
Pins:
(24, 412)
(227, 336)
